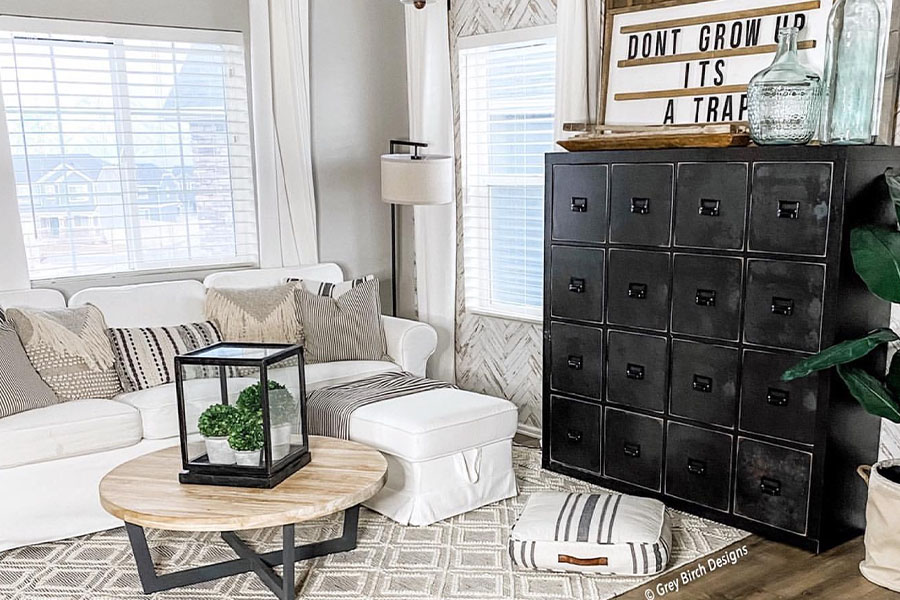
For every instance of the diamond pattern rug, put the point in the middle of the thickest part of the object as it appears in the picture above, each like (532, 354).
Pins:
(463, 557)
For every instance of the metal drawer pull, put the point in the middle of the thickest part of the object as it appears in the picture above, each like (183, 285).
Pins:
(634, 371)
(782, 306)
(579, 205)
(702, 384)
(640, 206)
(772, 487)
(575, 362)
(777, 397)
(576, 286)
(632, 450)
(788, 209)
(709, 207)
(638, 291)
(705, 298)
(574, 436)
(696, 467)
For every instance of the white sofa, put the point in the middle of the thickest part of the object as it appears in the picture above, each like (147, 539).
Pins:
(52, 459)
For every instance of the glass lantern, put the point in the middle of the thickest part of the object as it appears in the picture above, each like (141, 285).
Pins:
(242, 414)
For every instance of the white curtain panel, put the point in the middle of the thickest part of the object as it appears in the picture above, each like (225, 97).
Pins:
(579, 45)
(13, 265)
(431, 121)
(289, 138)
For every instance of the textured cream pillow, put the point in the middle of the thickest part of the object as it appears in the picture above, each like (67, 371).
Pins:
(266, 314)
(70, 350)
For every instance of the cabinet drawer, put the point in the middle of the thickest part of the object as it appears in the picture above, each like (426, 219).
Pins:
(772, 485)
(704, 382)
(633, 450)
(770, 406)
(576, 283)
(576, 359)
(711, 205)
(706, 296)
(698, 465)
(579, 202)
(784, 304)
(637, 367)
(640, 208)
(575, 433)
(638, 289)
(789, 207)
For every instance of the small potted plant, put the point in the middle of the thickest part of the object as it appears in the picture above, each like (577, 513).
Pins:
(215, 424)
(282, 412)
(246, 438)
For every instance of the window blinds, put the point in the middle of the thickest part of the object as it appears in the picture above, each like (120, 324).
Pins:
(131, 152)
(507, 99)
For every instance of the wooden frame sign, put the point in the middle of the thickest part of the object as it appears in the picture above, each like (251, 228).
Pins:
(690, 62)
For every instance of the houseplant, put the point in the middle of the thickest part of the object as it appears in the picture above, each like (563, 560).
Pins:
(282, 412)
(876, 258)
(246, 438)
(215, 424)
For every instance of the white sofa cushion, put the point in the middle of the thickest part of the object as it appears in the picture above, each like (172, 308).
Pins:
(39, 299)
(148, 304)
(432, 424)
(159, 408)
(65, 430)
(603, 533)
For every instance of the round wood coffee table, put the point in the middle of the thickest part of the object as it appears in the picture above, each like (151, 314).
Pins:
(145, 492)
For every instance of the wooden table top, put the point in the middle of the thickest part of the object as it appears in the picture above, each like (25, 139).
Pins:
(146, 492)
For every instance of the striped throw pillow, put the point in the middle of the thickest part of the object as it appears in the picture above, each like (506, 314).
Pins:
(21, 388)
(341, 321)
(603, 533)
(145, 356)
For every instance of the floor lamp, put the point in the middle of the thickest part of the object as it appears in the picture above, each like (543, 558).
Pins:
(412, 179)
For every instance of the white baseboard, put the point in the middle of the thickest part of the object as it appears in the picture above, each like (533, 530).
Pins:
(529, 430)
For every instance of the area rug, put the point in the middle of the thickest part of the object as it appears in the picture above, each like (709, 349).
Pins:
(462, 557)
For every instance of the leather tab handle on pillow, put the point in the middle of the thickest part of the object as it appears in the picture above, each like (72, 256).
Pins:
(600, 561)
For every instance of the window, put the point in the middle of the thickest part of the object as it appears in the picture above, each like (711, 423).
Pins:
(507, 98)
(131, 147)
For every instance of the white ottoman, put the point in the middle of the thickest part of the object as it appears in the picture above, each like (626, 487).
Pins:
(605, 533)
(448, 451)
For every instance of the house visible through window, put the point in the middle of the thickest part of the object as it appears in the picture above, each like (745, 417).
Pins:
(507, 98)
(131, 147)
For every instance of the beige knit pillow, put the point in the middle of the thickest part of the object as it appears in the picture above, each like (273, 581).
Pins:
(266, 314)
(70, 350)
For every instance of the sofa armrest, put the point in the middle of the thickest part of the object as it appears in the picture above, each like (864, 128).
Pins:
(409, 343)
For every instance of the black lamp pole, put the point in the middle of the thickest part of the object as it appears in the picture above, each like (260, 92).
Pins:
(393, 150)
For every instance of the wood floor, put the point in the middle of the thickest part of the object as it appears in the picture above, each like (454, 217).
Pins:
(772, 571)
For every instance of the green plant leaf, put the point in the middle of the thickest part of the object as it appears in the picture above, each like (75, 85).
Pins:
(839, 354)
(892, 176)
(893, 376)
(876, 257)
(872, 394)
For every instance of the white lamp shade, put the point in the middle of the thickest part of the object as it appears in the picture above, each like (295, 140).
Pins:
(427, 179)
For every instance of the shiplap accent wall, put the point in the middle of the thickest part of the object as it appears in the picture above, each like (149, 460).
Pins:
(495, 356)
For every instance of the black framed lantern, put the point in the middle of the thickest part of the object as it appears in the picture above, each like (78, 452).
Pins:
(242, 414)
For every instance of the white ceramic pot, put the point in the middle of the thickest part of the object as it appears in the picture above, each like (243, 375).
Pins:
(281, 441)
(218, 451)
(247, 458)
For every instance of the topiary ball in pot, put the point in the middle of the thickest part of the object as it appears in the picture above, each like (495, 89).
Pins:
(246, 438)
(249, 399)
(215, 425)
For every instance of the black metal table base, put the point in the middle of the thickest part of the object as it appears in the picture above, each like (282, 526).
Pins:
(261, 564)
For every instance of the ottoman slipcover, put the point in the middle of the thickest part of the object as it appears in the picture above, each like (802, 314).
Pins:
(604, 533)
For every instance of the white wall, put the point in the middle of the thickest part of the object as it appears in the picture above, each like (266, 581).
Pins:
(359, 103)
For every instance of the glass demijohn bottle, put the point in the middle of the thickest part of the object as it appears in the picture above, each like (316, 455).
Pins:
(784, 99)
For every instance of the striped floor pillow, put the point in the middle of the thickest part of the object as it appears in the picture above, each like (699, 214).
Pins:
(603, 533)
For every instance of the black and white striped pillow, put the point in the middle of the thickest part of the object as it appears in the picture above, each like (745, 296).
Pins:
(145, 356)
(341, 321)
(21, 388)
